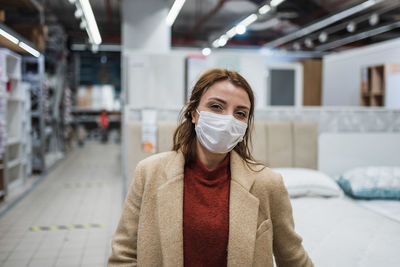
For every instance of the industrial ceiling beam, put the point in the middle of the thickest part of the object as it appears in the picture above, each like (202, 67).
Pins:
(357, 37)
(323, 23)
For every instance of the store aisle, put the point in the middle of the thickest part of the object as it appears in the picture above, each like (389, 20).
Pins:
(70, 217)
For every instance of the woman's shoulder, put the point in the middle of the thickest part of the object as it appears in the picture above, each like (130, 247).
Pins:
(268, 178)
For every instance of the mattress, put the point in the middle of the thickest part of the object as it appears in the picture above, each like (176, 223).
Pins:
(388, 208)
(340, 232)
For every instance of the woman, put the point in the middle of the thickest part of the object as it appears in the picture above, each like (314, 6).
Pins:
(207, 202)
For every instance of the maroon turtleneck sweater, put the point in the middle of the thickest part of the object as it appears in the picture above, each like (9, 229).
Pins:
(206, 214)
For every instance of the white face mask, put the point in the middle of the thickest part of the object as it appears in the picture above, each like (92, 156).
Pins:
(219, 133)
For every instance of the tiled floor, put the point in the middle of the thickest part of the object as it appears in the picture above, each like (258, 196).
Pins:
(78, 206)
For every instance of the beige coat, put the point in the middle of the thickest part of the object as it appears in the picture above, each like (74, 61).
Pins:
(260, 218)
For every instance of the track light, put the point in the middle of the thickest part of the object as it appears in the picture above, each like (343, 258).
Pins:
(309, 43)
(323, 37)
(95, 48)
(373, 19)
(296, 46)
(78, 13)
(351, 27)
(83, 24)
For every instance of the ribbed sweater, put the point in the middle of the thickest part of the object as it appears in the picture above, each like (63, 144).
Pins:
(206, 214)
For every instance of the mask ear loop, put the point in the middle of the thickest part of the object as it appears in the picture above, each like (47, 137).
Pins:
(197, 111)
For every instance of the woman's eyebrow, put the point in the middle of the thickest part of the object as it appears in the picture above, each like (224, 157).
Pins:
(224, 102)
(217, 99)
(243, 107)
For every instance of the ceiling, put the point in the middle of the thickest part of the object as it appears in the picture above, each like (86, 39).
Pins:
(200, 22)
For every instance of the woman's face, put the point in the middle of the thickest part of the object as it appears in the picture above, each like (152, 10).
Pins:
(226, 99)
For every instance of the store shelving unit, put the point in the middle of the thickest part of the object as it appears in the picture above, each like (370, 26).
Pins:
(47, 138)
(15, 129)
(380, 86)
(33, 73)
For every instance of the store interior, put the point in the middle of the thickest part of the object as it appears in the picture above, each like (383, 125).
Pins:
(89, 88)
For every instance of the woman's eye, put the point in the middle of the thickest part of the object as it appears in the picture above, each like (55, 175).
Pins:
(241, 115)
(215, 106)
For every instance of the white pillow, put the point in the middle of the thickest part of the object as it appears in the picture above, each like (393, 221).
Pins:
(307, 182)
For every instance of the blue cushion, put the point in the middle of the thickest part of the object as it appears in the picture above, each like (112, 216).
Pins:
(371, 182)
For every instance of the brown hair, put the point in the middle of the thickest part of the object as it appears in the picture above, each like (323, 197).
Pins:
(185, 135)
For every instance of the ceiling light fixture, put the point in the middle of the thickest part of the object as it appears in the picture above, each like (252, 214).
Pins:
(323, 23)
(91, 22)
(323, 37)
(309, 43)
(296, 46)
(83, 24)
(264, 9)
(249, 20)
(351, 27)
(275, 3)
(206, 51)
(373, 19)
(174, 11)
(78, 13)
(9, 36)
(240, 28)
(29, 49)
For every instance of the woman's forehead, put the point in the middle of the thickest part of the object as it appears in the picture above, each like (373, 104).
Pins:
(228, 92)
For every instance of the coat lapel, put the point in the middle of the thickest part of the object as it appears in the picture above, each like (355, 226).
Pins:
(170, 213)
(243, 214)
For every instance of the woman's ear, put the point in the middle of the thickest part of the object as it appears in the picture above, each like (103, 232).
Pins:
(194, 116)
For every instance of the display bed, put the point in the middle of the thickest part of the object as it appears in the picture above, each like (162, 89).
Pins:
(339, 231)
(388, 208)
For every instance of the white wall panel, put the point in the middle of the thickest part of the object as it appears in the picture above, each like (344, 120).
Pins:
(342, 71)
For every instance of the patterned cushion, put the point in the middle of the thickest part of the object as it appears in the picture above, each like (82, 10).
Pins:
(372, 182)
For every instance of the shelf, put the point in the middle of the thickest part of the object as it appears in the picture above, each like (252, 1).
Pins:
(13, 140)
(14, 99)
(377, 93)
(12, 164)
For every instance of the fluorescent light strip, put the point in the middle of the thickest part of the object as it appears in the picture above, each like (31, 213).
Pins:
(323, 23)
(264, 9)
(9, 36)
(275, 3)
(29, 49)
(174, 11)
(222, 40)
(249, 20)
(91, 21)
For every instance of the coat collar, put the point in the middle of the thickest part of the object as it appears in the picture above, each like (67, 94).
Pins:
(243, 213)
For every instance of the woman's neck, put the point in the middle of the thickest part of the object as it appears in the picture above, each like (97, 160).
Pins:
(209, 159)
